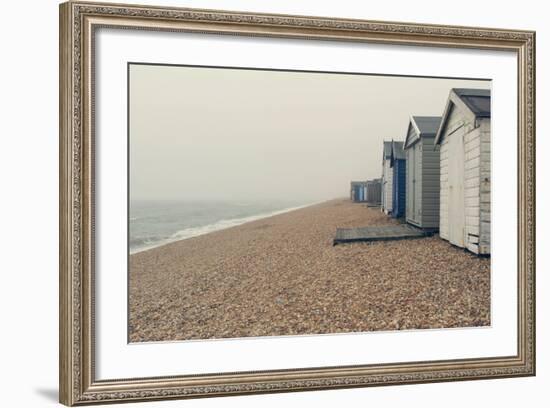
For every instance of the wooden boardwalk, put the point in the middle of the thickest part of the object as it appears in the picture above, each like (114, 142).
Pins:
(377, 233)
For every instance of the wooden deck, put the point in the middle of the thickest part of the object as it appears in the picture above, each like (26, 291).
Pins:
(377, 233)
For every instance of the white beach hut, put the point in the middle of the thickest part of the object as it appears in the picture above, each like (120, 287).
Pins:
(387, 179)
(464, 138)
(422, 208)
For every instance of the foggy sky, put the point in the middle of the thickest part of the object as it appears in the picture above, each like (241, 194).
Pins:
(202, 133)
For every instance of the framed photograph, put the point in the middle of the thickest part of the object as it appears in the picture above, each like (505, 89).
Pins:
(256, 203)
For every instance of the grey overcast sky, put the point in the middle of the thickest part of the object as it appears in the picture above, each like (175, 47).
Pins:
(222, 134)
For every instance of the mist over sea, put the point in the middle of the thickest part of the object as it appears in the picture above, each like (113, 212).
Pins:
(156, 223)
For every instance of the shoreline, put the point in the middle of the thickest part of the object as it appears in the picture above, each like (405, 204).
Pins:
(281, 276)
(249, 219)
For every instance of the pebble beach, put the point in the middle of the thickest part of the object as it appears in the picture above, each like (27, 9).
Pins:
(281, 275)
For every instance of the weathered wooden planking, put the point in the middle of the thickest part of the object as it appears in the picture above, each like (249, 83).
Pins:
(377, 233)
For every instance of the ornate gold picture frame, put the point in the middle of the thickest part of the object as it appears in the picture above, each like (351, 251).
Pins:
(78, 24)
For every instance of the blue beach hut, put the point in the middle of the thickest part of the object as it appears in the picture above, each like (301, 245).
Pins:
(358, 191)
(399, 174)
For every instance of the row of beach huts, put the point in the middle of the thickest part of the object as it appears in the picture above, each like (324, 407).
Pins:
(439, 177)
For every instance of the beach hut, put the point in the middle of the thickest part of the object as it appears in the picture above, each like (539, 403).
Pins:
(354, 191)
(387, 179)
(399, 186)
(464, 139)
(374, 192)
(358, 191)
(422, 158)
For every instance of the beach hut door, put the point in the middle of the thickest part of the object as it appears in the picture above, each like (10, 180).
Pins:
(413, 186)
(418, 183)
(412, 193)
(456, 190)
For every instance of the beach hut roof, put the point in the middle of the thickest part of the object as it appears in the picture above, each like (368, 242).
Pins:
(424, 126)
(387, 150)
(397, 152)
(477, 101)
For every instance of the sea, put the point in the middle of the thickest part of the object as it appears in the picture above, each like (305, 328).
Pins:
(156, 223)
